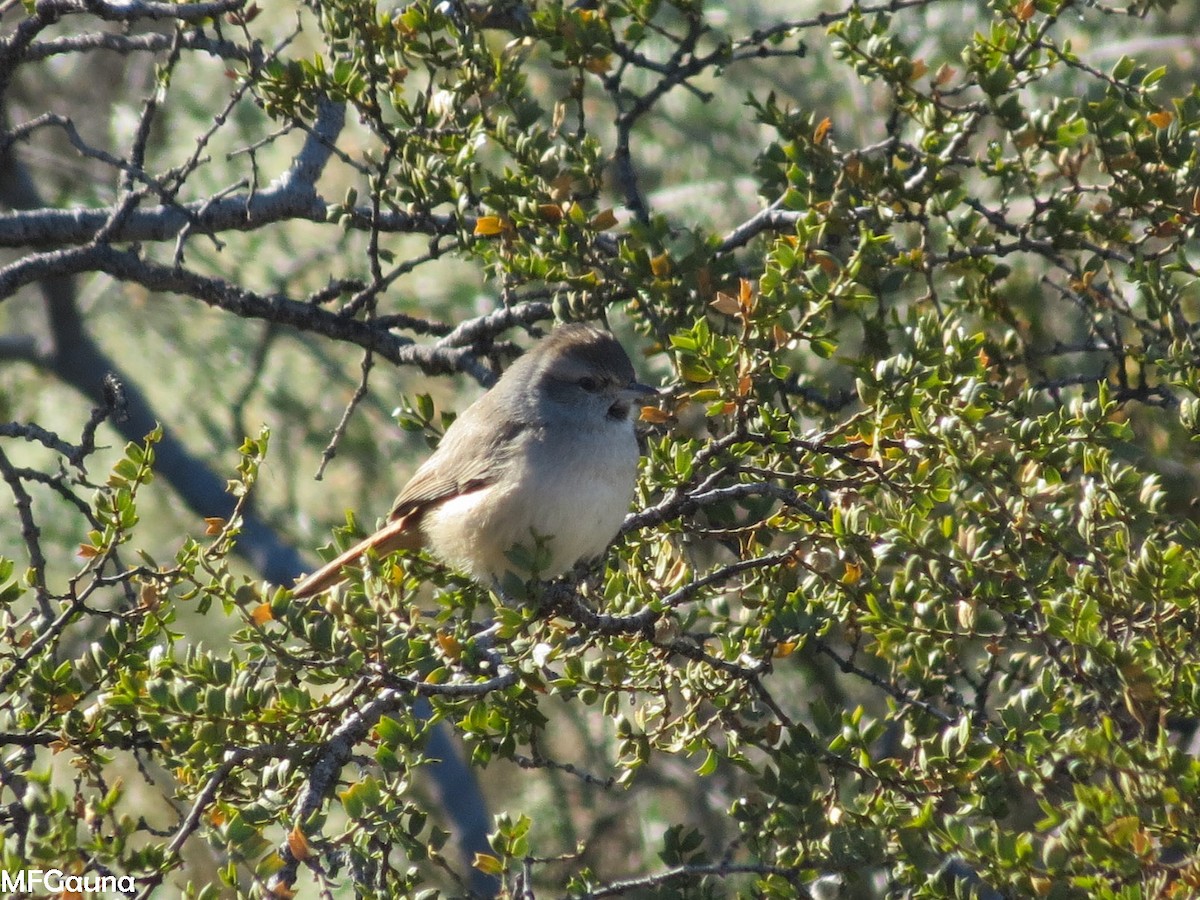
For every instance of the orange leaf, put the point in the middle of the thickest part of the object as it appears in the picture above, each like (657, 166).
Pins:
(726, 303)
(1025, 10)
(297, 843)
(822, 129)
(746, 296)
(920, 67)
(660, 265)
(248, 15)
(784, 648)
(450, 645)
(606, 218)
(149, 597)
(654, 415)
(829, 265)
(1169, 228)
(487, 226)
(87, 551)
(213, 525)
(772, 732)
(598, 65)
(262, 614)
(560, 187)
(1162, 118)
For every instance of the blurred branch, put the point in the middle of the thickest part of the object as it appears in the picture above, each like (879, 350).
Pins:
(325, 769)
(292, 196)
(32, 535)
(360, 391)
(137, 10)
(204, 801)
(73, 453)
(691, 873)
(891, 690)
(150, 42)
(772, 218)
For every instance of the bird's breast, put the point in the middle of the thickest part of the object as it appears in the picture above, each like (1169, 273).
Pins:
(569, 486)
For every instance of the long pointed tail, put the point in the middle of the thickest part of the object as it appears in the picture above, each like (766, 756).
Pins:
(400, 534)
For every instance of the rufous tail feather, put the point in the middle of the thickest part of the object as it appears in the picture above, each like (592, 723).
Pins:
(400, 534)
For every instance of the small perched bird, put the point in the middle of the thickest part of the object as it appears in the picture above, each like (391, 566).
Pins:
(548, 456)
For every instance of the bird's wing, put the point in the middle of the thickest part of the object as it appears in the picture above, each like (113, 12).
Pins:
(472, 455)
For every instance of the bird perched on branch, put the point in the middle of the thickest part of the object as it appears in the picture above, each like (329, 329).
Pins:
(546, 458)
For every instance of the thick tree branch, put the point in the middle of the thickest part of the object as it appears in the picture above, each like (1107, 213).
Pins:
(139, 10)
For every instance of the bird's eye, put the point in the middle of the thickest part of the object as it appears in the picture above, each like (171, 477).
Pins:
(589, 384)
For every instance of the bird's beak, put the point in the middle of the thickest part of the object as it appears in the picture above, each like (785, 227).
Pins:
(636, 390)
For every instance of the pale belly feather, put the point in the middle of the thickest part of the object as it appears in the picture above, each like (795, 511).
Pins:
(577, 508)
